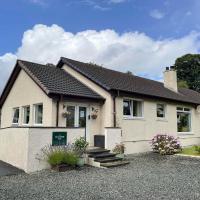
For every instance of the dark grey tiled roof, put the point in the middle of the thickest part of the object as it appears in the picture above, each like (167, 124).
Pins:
(56, 81)
(114, 80)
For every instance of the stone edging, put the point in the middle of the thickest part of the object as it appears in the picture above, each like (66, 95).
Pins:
(185, 155)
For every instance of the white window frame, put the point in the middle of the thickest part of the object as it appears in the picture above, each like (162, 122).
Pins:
(34, 122)
(76, 117)
(190, 122)
(13, 113)
(23, 110)
(165, 110)
(131, 109)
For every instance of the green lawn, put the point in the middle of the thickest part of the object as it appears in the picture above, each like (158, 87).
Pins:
(190, 151)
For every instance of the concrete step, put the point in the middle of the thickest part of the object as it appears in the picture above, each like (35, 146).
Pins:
(97, 151)
(114, 164)
(101, 155)
(107, 159)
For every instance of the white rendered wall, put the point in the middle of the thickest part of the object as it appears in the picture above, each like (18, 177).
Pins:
(14, 146)
(112, 137)
(21, 147)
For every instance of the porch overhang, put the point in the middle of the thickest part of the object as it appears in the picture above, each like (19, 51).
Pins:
(81, 99)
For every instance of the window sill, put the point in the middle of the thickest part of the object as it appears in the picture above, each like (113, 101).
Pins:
(134, 118)
(161, 119)
(37, 124)
(25, 124)
(15, 124)
(185, 133)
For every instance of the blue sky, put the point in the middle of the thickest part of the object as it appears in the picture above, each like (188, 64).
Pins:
(174, 18)
(142, 36)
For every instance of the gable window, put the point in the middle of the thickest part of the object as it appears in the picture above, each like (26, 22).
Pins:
(183, 119)
(161, 110)
(15, 116)
(133, 108)
(38, 114)
(26, 115)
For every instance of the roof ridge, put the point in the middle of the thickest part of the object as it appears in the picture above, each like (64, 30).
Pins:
(120, 72)
(20, 60)
(97, 65)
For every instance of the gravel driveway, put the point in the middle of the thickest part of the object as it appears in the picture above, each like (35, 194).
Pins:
(148, 176)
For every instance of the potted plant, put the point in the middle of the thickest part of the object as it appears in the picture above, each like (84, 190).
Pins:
(65, 114)
(80, 147)
(119, 150)
(94, 113)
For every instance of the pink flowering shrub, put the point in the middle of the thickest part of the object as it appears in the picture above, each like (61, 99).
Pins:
(165, 145)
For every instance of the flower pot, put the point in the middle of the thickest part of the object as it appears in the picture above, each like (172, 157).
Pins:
(93, 116)
(121, 155)
(64, 115)
(80, 162)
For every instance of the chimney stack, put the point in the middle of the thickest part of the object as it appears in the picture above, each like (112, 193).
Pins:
(170, 79)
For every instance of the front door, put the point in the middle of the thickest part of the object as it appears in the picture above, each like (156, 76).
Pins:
(82, 116)
(77, 117)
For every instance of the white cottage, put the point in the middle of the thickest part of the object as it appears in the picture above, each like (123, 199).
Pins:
(73, 99)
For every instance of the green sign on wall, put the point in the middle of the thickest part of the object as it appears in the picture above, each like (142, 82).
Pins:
(59, 138)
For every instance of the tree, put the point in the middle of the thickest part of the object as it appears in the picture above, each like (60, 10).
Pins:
(188, 71)
(182, 84)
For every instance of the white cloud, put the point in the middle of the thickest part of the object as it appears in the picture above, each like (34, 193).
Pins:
(157, 14)
(117, 1)
(188, 13)
(7, 62)
(93, 3)
(131, 51)
(39, 2)
(102, 5)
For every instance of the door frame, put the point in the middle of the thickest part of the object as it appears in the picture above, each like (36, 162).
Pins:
(76, 118)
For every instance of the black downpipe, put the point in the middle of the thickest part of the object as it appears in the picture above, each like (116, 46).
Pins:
(114, 111)
(57, 113)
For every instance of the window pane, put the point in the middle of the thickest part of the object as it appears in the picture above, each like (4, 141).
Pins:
(82, 116)
(127, 108)
(137, 108)
(15, 116)
(179, 108)
(26, 115)
(186, 109)
(161, 110)
(183, 122)
(70, 122)
(38, 114)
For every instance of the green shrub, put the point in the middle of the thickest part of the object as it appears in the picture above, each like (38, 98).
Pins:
(119, 149)
(197, 149)
(166, 144)
(55, 158)
(56, 155)
(70, 158)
